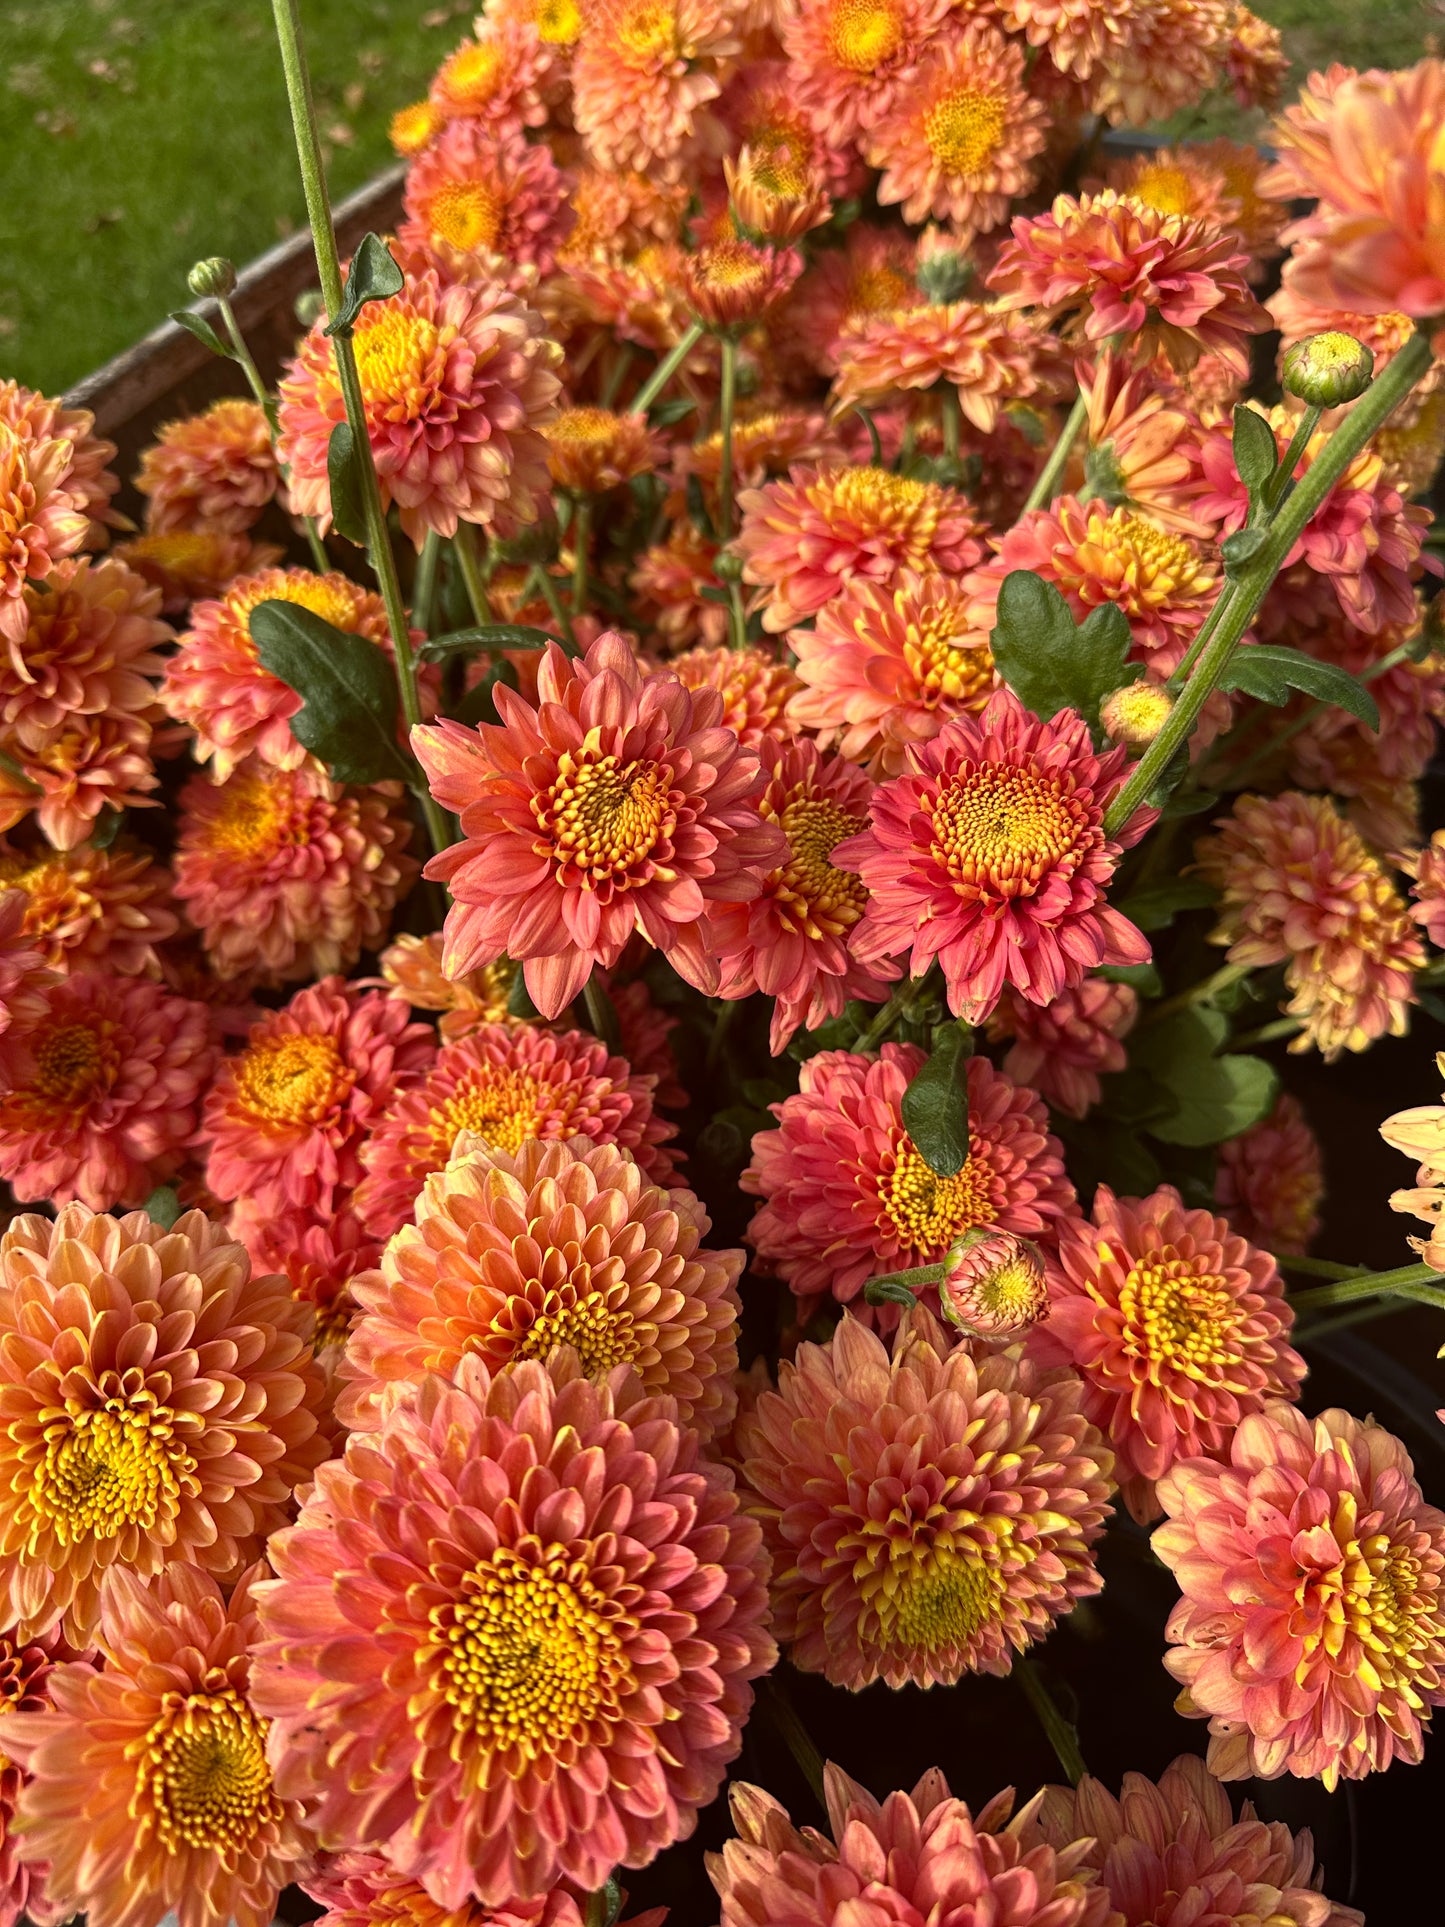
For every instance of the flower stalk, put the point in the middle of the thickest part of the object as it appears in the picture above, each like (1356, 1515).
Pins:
(726, 407)
(1059, 1731)
(1420, 1282)
(1045, 488)
(663, 373)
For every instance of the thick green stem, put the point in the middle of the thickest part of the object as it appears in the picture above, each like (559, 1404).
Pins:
(1060, 1732)
(464, 543)
(663, 373)
(1043, 489)
(885, 1017)
(328, 268)
(1317, 1267)
(726, 406)
(424, 588)
(581, 546)
(1199, 993)
(902, 1287)
(1270, 1033)
(1404, 1282)
(1249, 588)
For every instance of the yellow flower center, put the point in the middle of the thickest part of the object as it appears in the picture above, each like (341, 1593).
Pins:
(412, 127)
(728, 264)
(588, 425)
(250, 818)
(469, 77)
(502, 1106)
(878, 500)
(331, 597)
(942, 1604)
(928, 1212)
(862, 34)
(999, 829)
(204, 1774)
(532, 1656)
(647, 30)
(811, 896)
(71, 1062)
(292, 1079)
(559, 22)
(397, 359)
(1166, 188)
(877, 291)
(964, 130)
(602, 819)
(602, 1335)
(1010, 1292)
(119, 1464)
(185, 552)
(1155, 564)
(465, 214)
(943, 669)
(1177, 1317)
(781, 158)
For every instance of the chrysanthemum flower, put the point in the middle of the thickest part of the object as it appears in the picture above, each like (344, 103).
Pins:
(983, 356)
(1110, 266)
(1368, 155)
(730, 283)
(412, 1700)
(88, 478)
(668, 579)
(1297, 317)
(1142, 445)
(1428, 890)
(149, 1791)
(989, 854)
(802, 540)
(594, 449)
(872, 273)
(847, 1194)
(215, 684)
(87, 649)
(1061, 1049)
(618, 804)
(1169, 56)
(481, 203)
(1411, 445)
(25, 1668)
(40, 521)
(1420, 1134)
(458, 382)
(507, 1083)
(415, 126)
(93, 909)
(364, 1890)
(191, 563)
(513, 1253)
(901, 1550)
(318, 1260)
(1075, 33)
(287, 873)
(215, 470)
(638, 296)
(1174, 181)
(494, 78)
(286, 1118)
(1270, 1180)
(412, 966)
(161, 1407)
(1255, 59)
(1166, 1851)
(791, 942)
(1177, 1326)
(887, 664)
(1300, 887)
(848, 58)
(1311, 1631)
(757, 690)
(959, 136)
(77, 769)
(642, 70)
(765, 442)
(774, 195)
(25, 978)
(110, 1098)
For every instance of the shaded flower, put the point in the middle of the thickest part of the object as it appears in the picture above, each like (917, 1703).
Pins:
(1255, 59)
(364, 1890)
(25, 978)
(757, 690)
(1142, 447)
(592, 449)
(25, 1667)
(40, 521)
(775, 195)
(730, 282)
(668, 580)
(412, 966)
(74, 771)
(212, 471)
(318, 1259)
(870, 274)
(1311, 1630)
(1270, 1180)
(1061, 1049)
(1076, 34)
(93, 909)
(400, 1663)
(87, 478)
(187, 564)
(481, 202)
(981, 355)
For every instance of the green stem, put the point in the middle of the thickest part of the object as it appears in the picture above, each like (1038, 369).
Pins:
(1278, 486)
(1310, 1329)
(464, 542)
(548, 587)
(1060, 1732)
(663, 373)
(16, 772)
(1043, 489)
(621, 362)
(1249, 588)
(1402, 1282)
(601, 1015)
(902, 1287)
(952, 419)
(581, 543)
(258, 388)
(1199, 993)
(737, 616)
(885, 1017)
(1205, 633)
(721, 1028)
(1267, 1033)
(424, 588)
(328, 268)
(1316, 1267)
(726, 405)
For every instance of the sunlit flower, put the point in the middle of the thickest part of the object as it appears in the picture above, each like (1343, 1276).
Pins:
(40, 521)
(365, 1890)
(1311, 1631)
(1169, 56)
(413, 968)
(1420, 1134)
(493, 78)
(755, 686)
(1166, 1851)
(1107, 265)
(1257, 217)
(457, 381)
(149, 1790)
(616, 805)
(286, 1118)
(848, 59)
(803, 539)
(110, 1097)
(1270, 1180)
(871, 274)
(414, 126)
(983, 356)
(593, 449)
(1174, 181)
(847, 1194)
(215, 470)
(887, 664)
(989, 855)
(1300, 887)
(87, 649)
(188, 564)
(507, 1083)
(187, 1413)
(1061, 1049)
(87, 478)
(412, 1701)
(287, 873)
(1142, 445)
(480, 203)
(642, 70)
(1076, 34)
(92, 909)
(1177, 1326)
(959, 136)
(902, 1550)
(513, 1253)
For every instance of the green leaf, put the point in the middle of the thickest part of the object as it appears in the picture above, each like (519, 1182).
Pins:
(163, 1206)
(372, 276)
(519, 1003)
(1144, 978)
(479, 704)
(676, 408)
(343, 477)
(197, 325)
(1256, 452)
(1214, 1097)
(1189, 803)
(1269, 671)
(1051, 662)
(935, 1105)
(1170, 777)
(1241, 548)
(347, 689)
(485, 635)
(1156, 905)
(106, 828)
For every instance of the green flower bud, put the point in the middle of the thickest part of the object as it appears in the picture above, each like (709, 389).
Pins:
(309, 307)
(1325, 370)
(215, 276)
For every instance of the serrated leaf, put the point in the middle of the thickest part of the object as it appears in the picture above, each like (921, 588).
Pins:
(1269, 671)
(1214, 1097)
(1051, 662)
(1256, 452)
(197, 325)
(163, 1206)
(1156, 905)
(343, 478)
(348, 693)
(935, 1105)
(372, 276)
(484, 635)
(1241, 548)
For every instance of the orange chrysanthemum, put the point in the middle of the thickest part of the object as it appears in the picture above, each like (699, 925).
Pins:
(755, 686)
(1142, 445)
(93, 909)
(593, 449)
(479, 203)
(849, 59)
(1076, 34)
(1169, 56)
(981, 355)
(215, 471)
(730, 283)
(1270, 1180)
(413, 968)
(642, 70)
(40, 521)
(494, 78)
(87, 479)
(668, 580)
(415, 126)
(871, 274)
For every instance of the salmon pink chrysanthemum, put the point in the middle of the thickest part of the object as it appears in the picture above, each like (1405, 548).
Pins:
(40, 521)
(989, 854)
(871, 273)
(902, 1549)
(847, 59)
(215, 470)
(479, 203)
(88, 478)
(1169, 55)
(458, 380)
(1270, 1180)
(755, 686)
(93, 909)
(161, 1406)
(1177, 1326)
(982, 355)
(642, 71)
(414, 1708)
(149, 1791)
(494, 78)
(1311, 1631)
(847, 1194)
(25, 977)
(1075, 33)
(364, 1890)
(89, 648)
(590, 450)
(507, 1083)
(617, 804)
(25, 1668)
(190, 563)
(1061, 1049)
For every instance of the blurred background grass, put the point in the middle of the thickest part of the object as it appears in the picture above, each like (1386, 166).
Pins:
(143, 134)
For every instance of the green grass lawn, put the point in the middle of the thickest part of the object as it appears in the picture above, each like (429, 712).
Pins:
(142, 134)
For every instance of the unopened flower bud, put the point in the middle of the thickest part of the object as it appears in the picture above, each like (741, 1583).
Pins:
(1135, 714)
(1325, 370)
(993, 1285)
(943, 271)
(728, 567)
(309, 307)
(215, 276)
